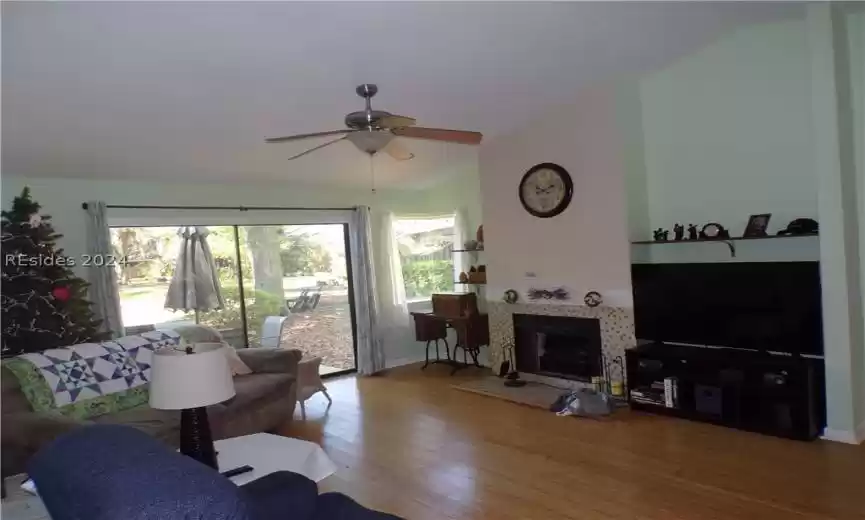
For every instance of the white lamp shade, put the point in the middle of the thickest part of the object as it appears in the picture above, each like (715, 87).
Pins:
(181, 381)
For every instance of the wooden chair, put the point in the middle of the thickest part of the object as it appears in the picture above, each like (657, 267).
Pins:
(309, 383)
(431, 328)
(473, 332)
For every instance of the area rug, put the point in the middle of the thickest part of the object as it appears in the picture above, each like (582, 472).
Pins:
(532, 394)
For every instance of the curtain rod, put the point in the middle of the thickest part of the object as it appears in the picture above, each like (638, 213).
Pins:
(236, 208)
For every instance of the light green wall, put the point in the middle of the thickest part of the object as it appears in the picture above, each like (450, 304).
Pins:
(855, 28)
(834, 161)
(771, 119)
(629, 125)
(727, 131)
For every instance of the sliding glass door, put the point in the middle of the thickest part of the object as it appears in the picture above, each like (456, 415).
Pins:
(149, 260)
(303, 271)
(282, 285)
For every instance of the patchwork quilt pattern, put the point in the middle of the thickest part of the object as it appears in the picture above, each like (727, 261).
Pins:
(91, 378)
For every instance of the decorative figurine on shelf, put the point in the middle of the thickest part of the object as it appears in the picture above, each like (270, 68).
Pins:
(692, 232)
(678, 232)
(801, 226)
(714, 231)
(660, 235)
(464, 278)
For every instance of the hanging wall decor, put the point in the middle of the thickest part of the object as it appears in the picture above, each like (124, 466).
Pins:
(593, 298)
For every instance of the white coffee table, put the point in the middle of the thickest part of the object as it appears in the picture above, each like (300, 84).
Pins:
(268, 453)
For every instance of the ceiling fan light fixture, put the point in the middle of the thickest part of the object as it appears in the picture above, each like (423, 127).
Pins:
(370, 141)
(372, 130)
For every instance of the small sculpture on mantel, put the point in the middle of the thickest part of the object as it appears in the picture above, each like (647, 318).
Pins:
(660, 235)
(692, 232)
(678, 232)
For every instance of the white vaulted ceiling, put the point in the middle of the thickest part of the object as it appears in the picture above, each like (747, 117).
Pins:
(188, 90)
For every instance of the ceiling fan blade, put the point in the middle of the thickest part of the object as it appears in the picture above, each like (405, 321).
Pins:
(396, 150)
(304, 136)
(301, 154)
(439, 134)
(395, 121)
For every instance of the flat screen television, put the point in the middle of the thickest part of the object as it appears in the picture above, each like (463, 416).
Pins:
(769, 306)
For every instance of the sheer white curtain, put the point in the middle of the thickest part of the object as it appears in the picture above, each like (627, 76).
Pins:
(394, 311)
(462, 262)
(392, 283)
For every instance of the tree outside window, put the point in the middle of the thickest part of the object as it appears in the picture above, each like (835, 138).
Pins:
(425, 250)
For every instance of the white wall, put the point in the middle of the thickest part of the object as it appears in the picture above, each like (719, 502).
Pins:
(584, 248)
(727, 131)
(62, 198)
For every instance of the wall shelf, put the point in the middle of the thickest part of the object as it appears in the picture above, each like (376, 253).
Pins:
(470, 283)
(467, 251)
(729, 242)
(733, 239)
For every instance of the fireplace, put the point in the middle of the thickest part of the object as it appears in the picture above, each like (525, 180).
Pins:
(557, 346)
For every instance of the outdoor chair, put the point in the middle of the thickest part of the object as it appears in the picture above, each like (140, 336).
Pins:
(304, 302)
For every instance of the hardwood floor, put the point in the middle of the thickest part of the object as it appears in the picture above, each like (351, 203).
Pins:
(409, 444)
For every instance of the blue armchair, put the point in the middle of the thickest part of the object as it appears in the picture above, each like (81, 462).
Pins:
(110, 472)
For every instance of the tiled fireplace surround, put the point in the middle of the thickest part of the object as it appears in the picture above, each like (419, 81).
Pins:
(617, 330)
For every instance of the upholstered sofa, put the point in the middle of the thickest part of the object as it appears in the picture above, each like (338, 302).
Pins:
(265, 401)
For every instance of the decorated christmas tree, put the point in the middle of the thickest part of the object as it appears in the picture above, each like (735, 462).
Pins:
(43, 302)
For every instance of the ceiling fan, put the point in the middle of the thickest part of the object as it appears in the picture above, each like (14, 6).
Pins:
(374, 130)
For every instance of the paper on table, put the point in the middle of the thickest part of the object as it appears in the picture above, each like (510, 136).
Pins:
(268, 453)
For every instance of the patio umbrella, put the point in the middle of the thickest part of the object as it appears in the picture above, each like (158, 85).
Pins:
(195, 284)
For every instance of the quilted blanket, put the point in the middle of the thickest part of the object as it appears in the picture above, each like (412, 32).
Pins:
(91, 379)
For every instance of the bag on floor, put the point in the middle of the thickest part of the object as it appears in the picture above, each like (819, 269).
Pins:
(583, 402)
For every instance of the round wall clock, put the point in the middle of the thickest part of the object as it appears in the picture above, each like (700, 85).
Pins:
(546, 190)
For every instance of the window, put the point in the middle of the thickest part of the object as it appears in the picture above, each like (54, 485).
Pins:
(149, 258)
(279, 285)
(425, 250)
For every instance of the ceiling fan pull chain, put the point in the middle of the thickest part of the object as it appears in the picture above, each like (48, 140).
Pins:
(372, 173)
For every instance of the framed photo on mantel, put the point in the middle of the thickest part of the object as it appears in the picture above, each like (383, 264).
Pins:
(757, 225)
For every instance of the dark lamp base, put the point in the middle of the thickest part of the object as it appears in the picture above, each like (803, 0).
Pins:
(195, 438)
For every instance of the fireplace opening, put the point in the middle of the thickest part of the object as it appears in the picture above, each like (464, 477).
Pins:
(558, 346)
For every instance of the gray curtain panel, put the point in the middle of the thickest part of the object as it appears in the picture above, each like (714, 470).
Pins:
(103, 291)
(195, 284)
(370, 345)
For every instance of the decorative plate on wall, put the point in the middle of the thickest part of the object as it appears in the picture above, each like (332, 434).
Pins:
(546, 190)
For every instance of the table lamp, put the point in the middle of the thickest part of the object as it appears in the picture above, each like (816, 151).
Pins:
(189, 379)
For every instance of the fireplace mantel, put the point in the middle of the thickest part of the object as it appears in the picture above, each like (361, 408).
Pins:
(617, 325)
